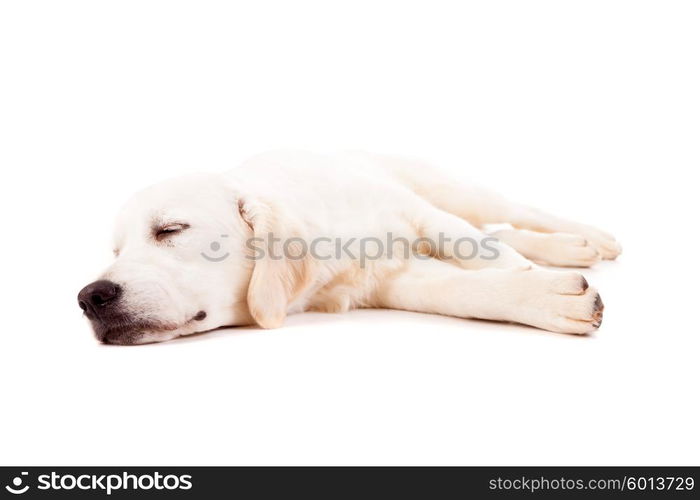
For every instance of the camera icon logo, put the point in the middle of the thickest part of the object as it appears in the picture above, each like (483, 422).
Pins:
(215, 247)
(16, 488)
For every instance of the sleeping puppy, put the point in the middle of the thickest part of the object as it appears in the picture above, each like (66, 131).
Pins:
(288, 232)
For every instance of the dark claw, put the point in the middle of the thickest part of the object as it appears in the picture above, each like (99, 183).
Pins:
(598, 308)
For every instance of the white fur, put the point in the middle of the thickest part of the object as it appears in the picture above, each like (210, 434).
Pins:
(308, 196)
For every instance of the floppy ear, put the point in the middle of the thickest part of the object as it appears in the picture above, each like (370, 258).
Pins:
(282, 267)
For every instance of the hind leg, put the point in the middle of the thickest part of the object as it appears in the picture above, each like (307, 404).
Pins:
(529, 218)
(550, 249)
(480, 206)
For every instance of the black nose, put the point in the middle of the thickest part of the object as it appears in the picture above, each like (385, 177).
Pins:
(96, 296)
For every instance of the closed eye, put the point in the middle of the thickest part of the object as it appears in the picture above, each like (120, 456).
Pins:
(162, 232)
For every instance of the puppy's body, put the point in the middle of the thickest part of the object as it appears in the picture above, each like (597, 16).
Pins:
(350, 230)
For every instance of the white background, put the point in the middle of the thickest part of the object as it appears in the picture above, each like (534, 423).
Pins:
(587, 109)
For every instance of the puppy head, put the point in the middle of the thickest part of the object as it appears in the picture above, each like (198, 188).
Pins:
(185, 264)
(180, 266)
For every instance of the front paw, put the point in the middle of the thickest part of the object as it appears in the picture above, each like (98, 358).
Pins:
(563, 302)
(566, 250)
(604, 243)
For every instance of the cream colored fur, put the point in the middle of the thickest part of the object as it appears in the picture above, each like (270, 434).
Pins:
(352, 195)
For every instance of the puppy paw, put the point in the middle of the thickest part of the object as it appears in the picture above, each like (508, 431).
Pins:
(566, 250)
(604, 243)
(562, 302)
(580, 314)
